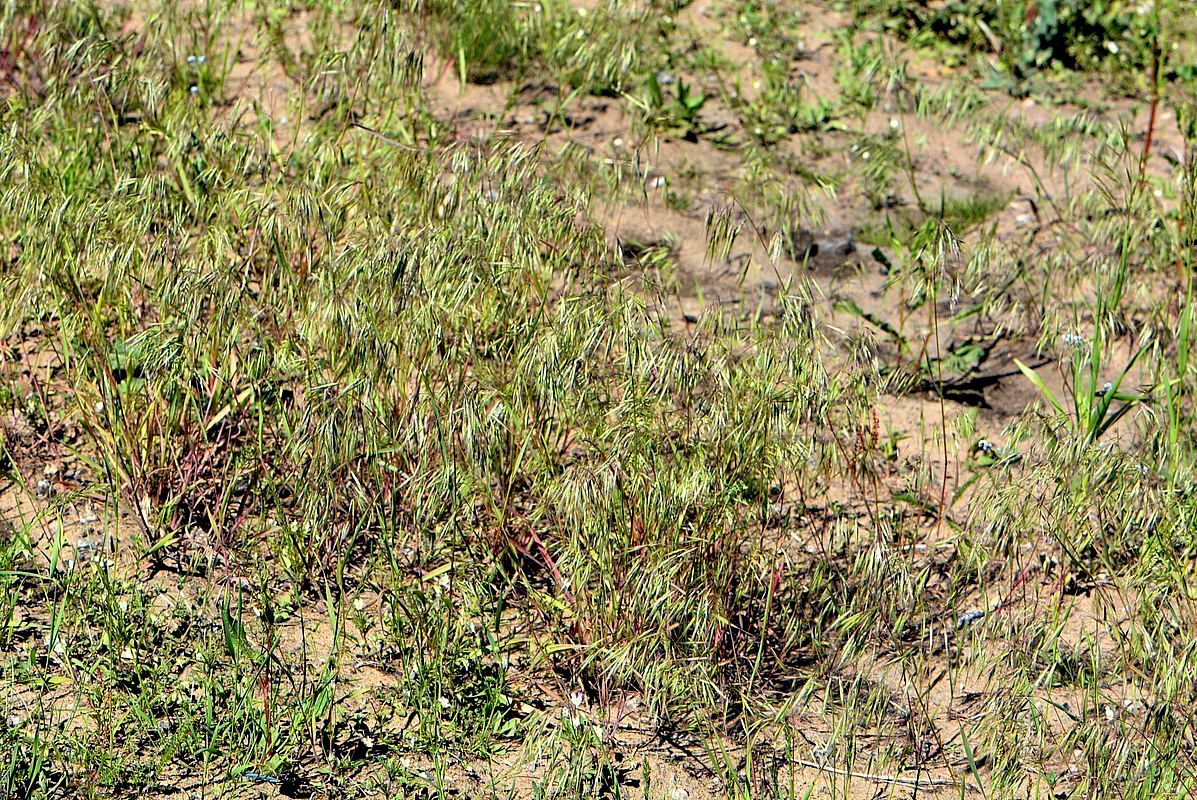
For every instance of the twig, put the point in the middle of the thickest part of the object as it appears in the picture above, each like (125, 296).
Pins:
(918, 783)
(389, 140)
(1155, 91)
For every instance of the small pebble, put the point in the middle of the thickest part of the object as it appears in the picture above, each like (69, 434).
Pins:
(969, 617)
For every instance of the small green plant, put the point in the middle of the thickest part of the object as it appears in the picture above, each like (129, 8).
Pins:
(782, 107)
(1094, 404)
(1029, 37)
(675, 111)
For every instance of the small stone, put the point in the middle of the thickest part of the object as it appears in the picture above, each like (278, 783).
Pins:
(969, 617)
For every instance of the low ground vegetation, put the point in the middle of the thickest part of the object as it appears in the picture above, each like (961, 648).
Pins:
(476, 398)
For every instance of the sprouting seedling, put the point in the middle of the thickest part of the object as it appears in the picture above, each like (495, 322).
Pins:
(689, 101)
(679, 111)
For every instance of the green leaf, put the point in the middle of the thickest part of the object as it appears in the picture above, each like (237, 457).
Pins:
(234, 632)
(972, 761)
(1034, 378)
